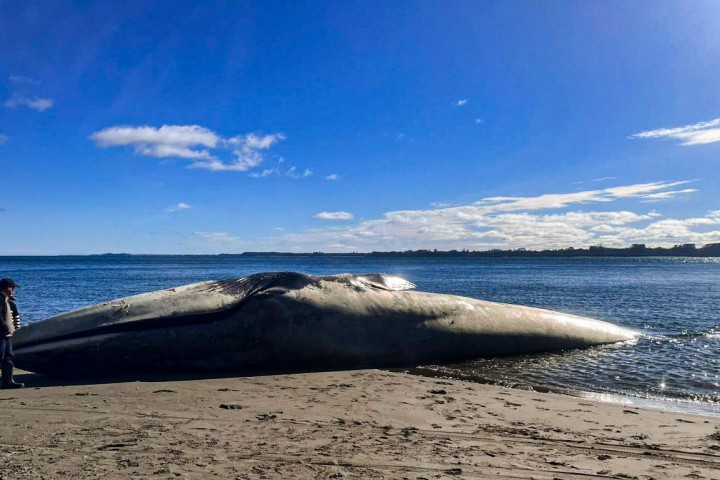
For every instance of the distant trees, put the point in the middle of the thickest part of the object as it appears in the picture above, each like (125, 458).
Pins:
(635, 250)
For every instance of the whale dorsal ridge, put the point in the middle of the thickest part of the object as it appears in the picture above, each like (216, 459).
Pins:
(372, 280)
(246, 287)
(386, 282)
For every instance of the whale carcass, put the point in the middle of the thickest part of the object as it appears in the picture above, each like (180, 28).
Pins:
(271, 321)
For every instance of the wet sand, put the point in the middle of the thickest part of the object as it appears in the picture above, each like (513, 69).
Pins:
(351, 424)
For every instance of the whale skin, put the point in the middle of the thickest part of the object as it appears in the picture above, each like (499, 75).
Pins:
(291, 321)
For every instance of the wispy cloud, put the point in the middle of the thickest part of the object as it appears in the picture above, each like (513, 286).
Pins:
(653, 197)
(333, 216)
(218, 237)
(217, 242)
(4, 139)
(293, 173)
(248, 150)
(542, 221)
(601, 179)
(192, 142)
(36, 103)
(342, 247)
(478, 121)
(442, 204)
(24, 80)
(461, 102)
(696, 134)
(562, 200)
(266, 173)
(179, 207)
(333, 177)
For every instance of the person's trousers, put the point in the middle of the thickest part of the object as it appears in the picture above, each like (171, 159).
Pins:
(6, 352)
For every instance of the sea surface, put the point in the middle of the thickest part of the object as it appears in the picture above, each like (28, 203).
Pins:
(674, 302)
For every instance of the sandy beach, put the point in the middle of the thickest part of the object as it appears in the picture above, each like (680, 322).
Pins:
(349, 424)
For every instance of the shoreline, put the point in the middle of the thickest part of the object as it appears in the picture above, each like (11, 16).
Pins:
(711, 251)
(342, 424)
(681, 406)
(678, 405)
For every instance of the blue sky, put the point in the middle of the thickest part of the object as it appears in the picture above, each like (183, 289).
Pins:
(223, 127)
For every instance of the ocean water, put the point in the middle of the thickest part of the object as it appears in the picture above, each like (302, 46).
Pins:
(674, 302)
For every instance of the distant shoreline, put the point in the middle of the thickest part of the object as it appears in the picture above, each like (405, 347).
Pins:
(637, 250)
(687, 250)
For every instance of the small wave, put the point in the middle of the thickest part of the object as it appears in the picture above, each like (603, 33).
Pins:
(695, 406)
(658, 398)
(685, 335)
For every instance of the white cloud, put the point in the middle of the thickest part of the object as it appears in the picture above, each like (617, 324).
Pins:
(527, 222)
(38, 104)
(166, 141)
(461, 102)
(333, 216)
(179, 207)
(4, 139)
(478, 121)
(695, 134)
(192, 142)
(333, 177)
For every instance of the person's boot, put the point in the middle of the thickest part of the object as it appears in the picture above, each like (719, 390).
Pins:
(7, 378)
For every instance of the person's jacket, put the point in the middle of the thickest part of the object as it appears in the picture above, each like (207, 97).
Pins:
(7, 325)
(15, 313)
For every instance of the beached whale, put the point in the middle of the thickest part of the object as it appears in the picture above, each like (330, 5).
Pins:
(281, 321)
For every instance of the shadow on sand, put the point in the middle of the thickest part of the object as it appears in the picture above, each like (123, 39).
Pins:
(34, 380)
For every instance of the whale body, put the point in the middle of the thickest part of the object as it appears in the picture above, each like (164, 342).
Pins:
(272, 321)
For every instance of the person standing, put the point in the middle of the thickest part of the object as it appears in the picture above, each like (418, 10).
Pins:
(7, 328)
